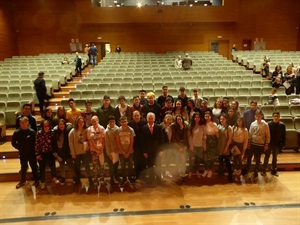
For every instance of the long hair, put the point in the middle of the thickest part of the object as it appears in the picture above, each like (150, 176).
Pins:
(59, 131)
(76, 122)
(193, 123)
(43, 121)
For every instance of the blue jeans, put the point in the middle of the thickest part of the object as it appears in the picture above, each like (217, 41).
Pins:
(93, 59)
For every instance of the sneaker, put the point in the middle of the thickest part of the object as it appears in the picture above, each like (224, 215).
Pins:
(20, 184)
(168, 174)
(204, 174)
(55, 180)
(209, 174)
(275, 173)
(43, 186)
(62, 181)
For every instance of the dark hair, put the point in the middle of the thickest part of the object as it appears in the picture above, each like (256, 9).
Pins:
(187, 107)
(195, 90)
(41, 73)
(136, 96)
(276, 112)
(253, 102)
(182, 89)
(43, 121)
(122, 97)
(193, 123)
(182, 108)
(76, 122)
(59, 131)
(25, 105)
(165, 86)
(123, 118)
(258, 112)
(111, 117)
(243, 122)
(175, 121)
(168, 99)
(71, 100)
(88, 102)
(142, 90)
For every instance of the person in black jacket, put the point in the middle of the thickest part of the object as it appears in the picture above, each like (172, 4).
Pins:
(23, 140)
(27, 113)
(137, 125)
(61, 148)
(278, 137)
(105, 111)
(41, 91)
(152, 139)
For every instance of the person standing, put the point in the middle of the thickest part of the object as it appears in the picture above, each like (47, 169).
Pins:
(111, 149)
(23, 140)
(44, 152)
(139, 161)
(96, 139)
(125, 138)
(27, 112)
(277, 142)
(105, 111)
(78, 148)
(73, 113)
(93, 52)
(162, 98)
(118, 49)
(41, 91)
(258, 141)
(152, 139)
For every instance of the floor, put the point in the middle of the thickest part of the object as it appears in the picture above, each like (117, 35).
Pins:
(268, 200)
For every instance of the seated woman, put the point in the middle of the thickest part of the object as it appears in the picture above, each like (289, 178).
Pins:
(65, 61)
(277, 74)
(289, 79)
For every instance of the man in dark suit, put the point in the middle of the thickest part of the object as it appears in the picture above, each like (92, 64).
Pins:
(187, 62)
(152, 139)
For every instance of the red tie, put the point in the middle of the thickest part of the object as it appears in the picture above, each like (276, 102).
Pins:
(151, 129)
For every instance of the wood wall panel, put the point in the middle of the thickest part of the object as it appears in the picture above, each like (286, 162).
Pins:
(8, 40)
(154, 14)
(45, 26)
(48, 26)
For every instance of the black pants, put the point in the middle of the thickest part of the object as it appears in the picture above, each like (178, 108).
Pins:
(139, 162)
(84, 159)
(255, 150)
(42, 98)
(49, 159)
(78, 69)
(226, 159)
(274, 151)
(24, 159)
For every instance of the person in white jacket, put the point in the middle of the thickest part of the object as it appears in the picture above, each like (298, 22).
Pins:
(258, 140)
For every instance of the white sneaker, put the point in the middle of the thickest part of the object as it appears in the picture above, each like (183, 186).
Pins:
(168, 174)
(55, 180)
(204, 174)
(43, 186)
(209, 174)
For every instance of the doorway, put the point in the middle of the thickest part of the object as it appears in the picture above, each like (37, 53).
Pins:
(221, 47)
(102, 49)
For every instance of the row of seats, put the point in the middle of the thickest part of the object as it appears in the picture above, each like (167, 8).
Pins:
(211, 88)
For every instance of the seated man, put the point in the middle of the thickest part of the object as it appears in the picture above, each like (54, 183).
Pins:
(187, 62)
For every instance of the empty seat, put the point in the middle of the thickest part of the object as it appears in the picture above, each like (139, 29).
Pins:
(99, 94)
(289, 123)
(295, 110)
(13, 96)
(87, 95)
(256, 83)
(3, 97)
(245, 83)
(267, 110)
(220, 92)
(75, 94)
(11, 108)
(243, 91)
(292, 140)
(297, 123)
(27, 96)
(92, 87)
(81, 87)
(284, 110)
(231, 92)
(3, 106)
(14, 89)
(208, 92)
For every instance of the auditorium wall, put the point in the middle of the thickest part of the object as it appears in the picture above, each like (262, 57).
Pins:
(8, 41)
(48, 26)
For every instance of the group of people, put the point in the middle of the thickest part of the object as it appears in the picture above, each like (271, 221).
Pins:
(290, 80)
(146, 138)
(185, 63)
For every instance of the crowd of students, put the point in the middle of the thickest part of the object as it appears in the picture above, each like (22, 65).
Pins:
(146, 138)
